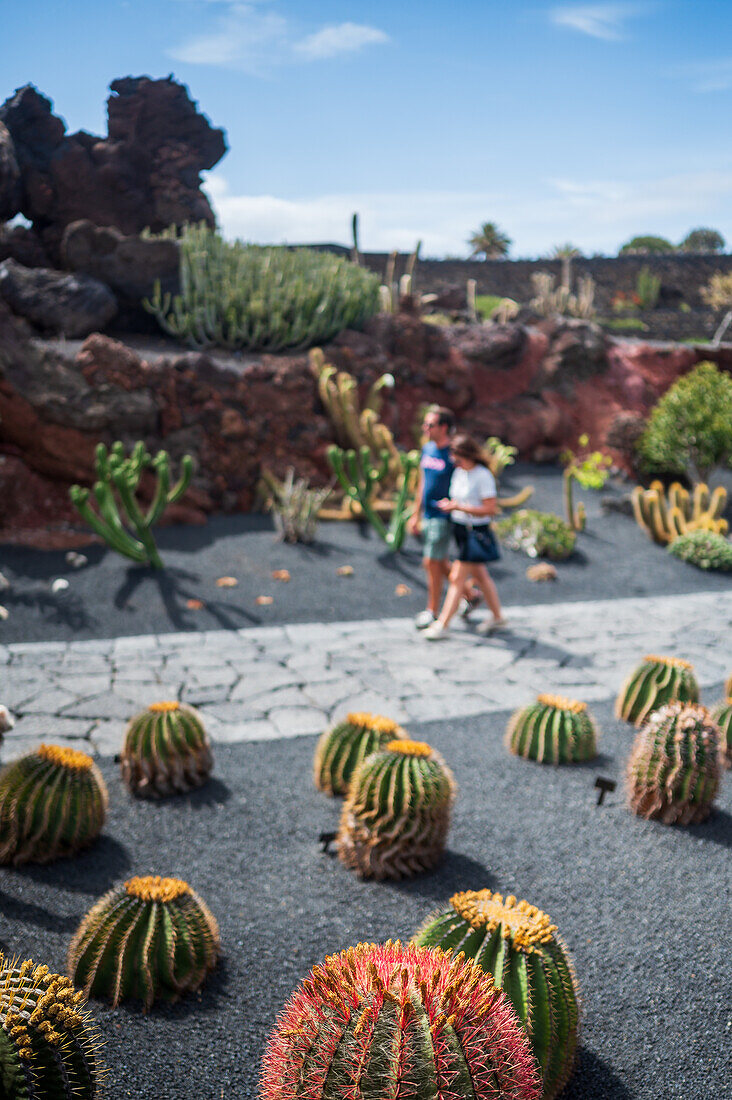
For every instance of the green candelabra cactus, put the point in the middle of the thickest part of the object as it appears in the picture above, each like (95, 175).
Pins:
(261, 298)
(49, 1046)
(397, 814)
(358, 476)
(115, 491)
(382, 1021)
(673, 770)
(656, 681)
(166, 751)
(722, 715)
(150, 939)
(553, 730)
(340, 750)
(519, 947)
(53, 802)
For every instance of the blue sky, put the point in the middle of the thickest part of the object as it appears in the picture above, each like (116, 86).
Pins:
(560, 121)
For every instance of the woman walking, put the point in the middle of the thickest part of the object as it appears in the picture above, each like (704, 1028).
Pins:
(471, 503)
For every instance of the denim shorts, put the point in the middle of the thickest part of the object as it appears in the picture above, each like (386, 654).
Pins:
(436, 534)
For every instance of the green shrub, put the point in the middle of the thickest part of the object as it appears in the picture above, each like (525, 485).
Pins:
(704, 549)
(690, 429)
(647, 287)
(538, 534)
(487, 304)
(647, 246)
(625, 324)
(262, 299)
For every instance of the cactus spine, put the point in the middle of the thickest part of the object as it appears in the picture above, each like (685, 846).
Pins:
(49, 1047)
(382, 1021)
(665, 518)
(166, 751)
(150, 939)
(722, 715)
(673, 770)
(115, 491)
(396, 816)
(519, 947)
(340, 750)
(553, 730)
(656, 681)
(53, 802)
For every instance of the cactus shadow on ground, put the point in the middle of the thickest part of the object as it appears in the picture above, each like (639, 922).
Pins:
(716, 830)
(29, 913)
(451, 874)
(214, 792)
(594, 1078)
(94, 868)
(176, 587)
(62, 608)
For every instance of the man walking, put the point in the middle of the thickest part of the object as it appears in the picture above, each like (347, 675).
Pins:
(435, 471)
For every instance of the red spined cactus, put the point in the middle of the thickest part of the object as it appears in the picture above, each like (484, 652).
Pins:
(386, 1020)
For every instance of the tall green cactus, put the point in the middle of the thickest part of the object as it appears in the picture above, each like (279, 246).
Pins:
(656, 681)
(53, 802)
(358, 476)
(341, 749)
(553, 730)
(166, 751)
(519, 947)
(115, 491)
(722, 715)
(49, 1046)
(150, 939)
(673, 770)
(382, 1021)
(263, 299)
(397, 813)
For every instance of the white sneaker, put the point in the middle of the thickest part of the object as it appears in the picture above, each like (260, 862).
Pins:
(492, 625)
(435, 632)
(424, 619)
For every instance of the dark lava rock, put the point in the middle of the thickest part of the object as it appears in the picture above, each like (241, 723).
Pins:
(498, 346)
(129, 265)
(145, 173)
(71, 305)
(11, 189)
(20, 243)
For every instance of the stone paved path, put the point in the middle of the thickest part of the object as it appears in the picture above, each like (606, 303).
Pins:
(284, 681)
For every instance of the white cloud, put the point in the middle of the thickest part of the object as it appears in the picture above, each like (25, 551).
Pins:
(598, 215)
(245, 36)
(710, 75)
(341, 38)
(606, 21)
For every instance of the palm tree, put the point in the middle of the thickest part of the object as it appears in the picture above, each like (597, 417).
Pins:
(491, 241)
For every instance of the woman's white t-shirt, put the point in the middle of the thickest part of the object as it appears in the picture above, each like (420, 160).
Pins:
(471, 487)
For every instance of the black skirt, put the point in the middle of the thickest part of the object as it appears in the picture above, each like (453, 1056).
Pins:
(476, 543)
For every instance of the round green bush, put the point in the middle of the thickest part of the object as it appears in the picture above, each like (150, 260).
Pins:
(239, 295)
(538, 534)
(704, 549)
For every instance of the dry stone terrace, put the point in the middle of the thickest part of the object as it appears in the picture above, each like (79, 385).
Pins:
(284, 681)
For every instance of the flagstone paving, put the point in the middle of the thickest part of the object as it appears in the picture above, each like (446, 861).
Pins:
(284, 681)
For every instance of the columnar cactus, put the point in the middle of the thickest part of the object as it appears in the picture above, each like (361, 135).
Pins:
(673, 770)
(49, 1047)
(722, 715)
(553, 730)
(519, 947)
(657, 681)
(340, 750)
(152, 938)
(383, 1021)
(397, 813)
(53, 802)
(166, 751)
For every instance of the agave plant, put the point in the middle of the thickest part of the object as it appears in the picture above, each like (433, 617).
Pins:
(49, 1046)
(519, 947)
(152, 938)
(53, 802)
(386, 1021)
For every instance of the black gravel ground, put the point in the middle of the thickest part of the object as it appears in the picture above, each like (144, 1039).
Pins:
(109, 598)
(643, 908)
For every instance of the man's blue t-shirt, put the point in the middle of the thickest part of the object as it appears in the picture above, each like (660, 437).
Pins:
(437, 467)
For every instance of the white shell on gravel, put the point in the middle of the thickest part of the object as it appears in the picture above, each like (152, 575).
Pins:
(6, 719)
(3, 613)
(60, 584)
(76, 561)
(4, 583)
